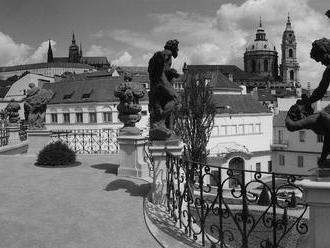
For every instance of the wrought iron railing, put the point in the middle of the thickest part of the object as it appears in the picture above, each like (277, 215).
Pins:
(224, 207)
(4, 136)
(89, 141)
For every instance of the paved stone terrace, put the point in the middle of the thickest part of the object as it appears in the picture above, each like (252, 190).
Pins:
(84, 206)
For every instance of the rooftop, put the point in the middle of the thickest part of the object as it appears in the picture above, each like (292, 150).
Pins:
(44, 65)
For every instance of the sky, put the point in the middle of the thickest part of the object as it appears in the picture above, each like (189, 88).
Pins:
(128, 32)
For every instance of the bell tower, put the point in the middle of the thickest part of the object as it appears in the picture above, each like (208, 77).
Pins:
(289, 66)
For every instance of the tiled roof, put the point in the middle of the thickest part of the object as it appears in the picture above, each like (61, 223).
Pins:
(279, 119)
(238, 74)
(236, 104)
(95, 61)
(3, 91)
(85, 76)
(44, 65)
(265, 95)
(133, 69)
(100, 89)
(218, 80)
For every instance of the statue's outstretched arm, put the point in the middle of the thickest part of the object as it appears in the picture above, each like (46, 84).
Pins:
(320, 91)
(325, 150)
(307, 123)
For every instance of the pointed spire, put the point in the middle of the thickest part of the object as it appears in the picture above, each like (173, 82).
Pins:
(73, 38)
(260, 35)
(260, 24)
(50, 58)
(80, 51)
(288, 23)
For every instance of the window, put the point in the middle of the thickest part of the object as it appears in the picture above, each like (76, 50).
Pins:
(270, 166)
(215, 131)
(249, 128)
(265, 65)
(231, 130)
(302, 136)
(86, 95)
(258, 128)
(282, 160)
(240, 129)
(290, 53)
(79, 117)
(92, 117)
(144, 112)
(253, 66)
(66, 118)
(300, 161)
(54, 118)
(280, 136)
(291, 75)
(223, 130)
(67, 96)
(258, 166)
(320, 138)
(107, 116)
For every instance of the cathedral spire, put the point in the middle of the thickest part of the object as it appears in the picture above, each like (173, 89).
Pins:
(73, 38)
(260, 35)
(80, 51)
(50, 58)
(260, 24)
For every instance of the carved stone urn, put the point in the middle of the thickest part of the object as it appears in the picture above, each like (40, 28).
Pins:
(129, 108)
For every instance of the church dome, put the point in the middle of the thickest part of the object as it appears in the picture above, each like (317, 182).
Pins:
(261, 45)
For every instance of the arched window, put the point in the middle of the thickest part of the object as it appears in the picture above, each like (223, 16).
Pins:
(265, 65)
(291, 75)
(290, 53)
(253, 66)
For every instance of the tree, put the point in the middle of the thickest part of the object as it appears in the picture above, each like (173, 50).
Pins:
(264, 197)
(195, 119)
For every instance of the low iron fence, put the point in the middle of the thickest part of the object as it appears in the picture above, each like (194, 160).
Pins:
(224, 207)
(89, 141)
(4, 136)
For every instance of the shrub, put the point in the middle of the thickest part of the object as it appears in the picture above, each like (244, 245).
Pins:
(57, 153)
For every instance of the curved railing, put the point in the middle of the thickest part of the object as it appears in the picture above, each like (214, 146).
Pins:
(235, 208)
(89, 141)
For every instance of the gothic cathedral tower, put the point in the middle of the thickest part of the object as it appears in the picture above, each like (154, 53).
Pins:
(74, 56)
(289, 66)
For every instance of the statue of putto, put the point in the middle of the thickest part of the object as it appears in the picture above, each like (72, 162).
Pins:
(129, 108)
(12, 111)
(35, 106)
(301, 115)
(163, 99)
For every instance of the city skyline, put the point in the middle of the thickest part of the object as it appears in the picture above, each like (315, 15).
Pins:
(128, 33)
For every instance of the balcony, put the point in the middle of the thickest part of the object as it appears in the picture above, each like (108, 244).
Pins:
(280, 144)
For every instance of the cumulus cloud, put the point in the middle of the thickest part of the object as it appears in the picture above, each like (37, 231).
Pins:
(96, 50)
(40, 54)
(221, 38)
(124, 59)
(11, 52)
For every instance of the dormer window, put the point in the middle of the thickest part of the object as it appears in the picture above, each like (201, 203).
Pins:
(68, 96)
(86, 95)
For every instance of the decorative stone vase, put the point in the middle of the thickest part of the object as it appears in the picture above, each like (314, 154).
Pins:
(129, 108)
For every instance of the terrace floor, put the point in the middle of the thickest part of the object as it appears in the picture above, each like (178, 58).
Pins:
(84, 206)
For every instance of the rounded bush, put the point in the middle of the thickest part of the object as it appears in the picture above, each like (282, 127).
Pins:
(57, 153)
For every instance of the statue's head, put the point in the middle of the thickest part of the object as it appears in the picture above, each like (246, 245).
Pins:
(321, 51)
(32, 85)
(173, 46)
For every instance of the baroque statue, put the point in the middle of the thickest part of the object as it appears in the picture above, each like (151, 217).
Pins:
(163, 99)
(129, 108)
(35, 106)
(301, 115)
(12, 111)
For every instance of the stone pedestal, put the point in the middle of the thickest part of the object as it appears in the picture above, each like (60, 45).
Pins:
(317, 195)
(13, 131)
(158, 153)
(37, 140)
(132, 156)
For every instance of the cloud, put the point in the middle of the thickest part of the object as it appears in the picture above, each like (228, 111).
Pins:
(96, 50)
(221, 38)
(11, 52)
(124, 59)
(40, 54)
